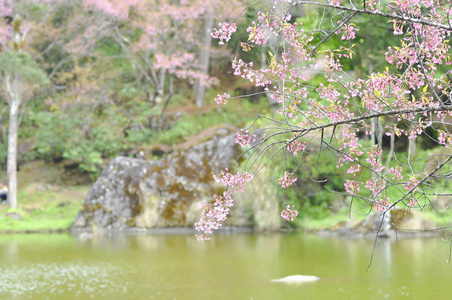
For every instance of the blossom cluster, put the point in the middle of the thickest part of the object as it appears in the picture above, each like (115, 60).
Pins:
(245, 70)
(287, 180)
(244, 138)
(214, 214)
(295, 146)
(222, 99)
(374, 157)
(382, 205)
(375, 186)
(224, 33)
(445, 138)
(349, 32)
(397, 172)
(413, 202)
(352, 186)
(289, 214)
(412, 184)
(236, 182)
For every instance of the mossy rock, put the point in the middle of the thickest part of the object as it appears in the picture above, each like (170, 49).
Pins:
(137, 193)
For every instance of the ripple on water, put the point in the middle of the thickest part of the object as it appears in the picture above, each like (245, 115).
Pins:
(76, 278)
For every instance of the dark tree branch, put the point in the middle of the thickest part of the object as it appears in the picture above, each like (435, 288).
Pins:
(377, 13)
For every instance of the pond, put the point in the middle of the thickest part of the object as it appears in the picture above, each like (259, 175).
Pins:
(238, 266)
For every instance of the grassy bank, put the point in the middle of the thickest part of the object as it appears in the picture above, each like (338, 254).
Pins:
(52, 208)
(46, 202)
(314, 224)
(43, 207)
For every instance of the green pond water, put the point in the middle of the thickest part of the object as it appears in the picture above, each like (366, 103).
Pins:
(237, 266)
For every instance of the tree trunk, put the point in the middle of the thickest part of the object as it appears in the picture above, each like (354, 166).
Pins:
(12, 145)
(412, 147)
(204, 57)
(391, 151)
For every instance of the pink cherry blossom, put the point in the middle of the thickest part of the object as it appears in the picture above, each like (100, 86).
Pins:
(413, 202)
(224, 33)
(412, 184)
(382, 205)
(244, 138)
(352, 186)
(289, 214)
(213, 214)
(222, 99)
(397, 171)
(295, 146)
(287, 180)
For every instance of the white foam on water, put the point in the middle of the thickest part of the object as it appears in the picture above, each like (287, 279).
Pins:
(60, 278)
(297, 279)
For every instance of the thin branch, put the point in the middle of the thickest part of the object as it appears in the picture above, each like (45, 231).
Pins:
(377, 13)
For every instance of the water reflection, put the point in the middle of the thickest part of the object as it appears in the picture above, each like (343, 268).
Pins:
(228, 267)
(11, 250)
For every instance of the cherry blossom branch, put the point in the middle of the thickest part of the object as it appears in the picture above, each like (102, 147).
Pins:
(332, 31)
(376, 13)
(383, 103)
(376, 115)
(438, 167)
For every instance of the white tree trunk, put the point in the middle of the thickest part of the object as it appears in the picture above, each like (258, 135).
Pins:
(204, 57)
(14, 91)
(412, 147)
(160, 89)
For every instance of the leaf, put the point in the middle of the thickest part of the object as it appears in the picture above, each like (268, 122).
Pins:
(252, 35)
(425, 89)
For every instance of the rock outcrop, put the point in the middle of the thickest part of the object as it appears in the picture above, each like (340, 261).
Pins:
(135, 193)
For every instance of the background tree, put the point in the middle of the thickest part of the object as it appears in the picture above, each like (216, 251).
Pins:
(110, 87)
(20, 75)
(165, 50)
(343, 116)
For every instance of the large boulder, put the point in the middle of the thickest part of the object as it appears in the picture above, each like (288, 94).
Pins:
(135, 193)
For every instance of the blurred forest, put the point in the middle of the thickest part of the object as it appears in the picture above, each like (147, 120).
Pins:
(139, 78)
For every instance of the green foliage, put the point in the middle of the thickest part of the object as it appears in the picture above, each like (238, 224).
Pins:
(316, 180)
(106, 131)
(53, 131)
(21, 66)
(85, 153)
(108, 46)
(189, 124)
(314, 193)
(58, 135)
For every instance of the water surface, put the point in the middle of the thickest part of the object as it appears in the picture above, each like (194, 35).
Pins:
(228, 267)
